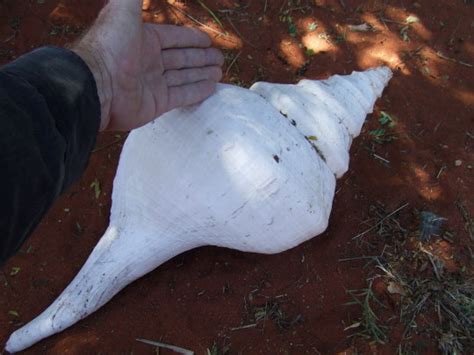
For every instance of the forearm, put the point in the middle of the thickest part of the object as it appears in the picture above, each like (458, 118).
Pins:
(49, 117)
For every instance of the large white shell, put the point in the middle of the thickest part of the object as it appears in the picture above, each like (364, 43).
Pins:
(232, 172)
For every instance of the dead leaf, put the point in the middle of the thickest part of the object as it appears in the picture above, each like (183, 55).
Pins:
(395, 288)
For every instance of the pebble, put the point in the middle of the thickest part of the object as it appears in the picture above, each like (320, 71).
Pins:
(458, 162)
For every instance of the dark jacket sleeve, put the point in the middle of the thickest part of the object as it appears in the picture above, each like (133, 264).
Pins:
(49, 119)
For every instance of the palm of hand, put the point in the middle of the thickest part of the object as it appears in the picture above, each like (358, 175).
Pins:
(144, 70)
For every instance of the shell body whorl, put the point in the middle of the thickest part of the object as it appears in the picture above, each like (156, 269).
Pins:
(231, 172)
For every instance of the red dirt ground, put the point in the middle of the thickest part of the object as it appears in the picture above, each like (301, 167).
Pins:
(197, 298)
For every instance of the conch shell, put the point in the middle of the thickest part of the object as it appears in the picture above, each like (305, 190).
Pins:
(253, 170)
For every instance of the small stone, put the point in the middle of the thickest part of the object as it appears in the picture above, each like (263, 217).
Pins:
(458, 162)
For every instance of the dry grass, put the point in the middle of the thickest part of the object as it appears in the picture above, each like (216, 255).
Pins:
(434, 304)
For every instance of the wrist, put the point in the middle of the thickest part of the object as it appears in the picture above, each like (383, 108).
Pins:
(102, 78)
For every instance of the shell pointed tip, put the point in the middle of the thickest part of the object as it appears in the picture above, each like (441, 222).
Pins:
(8, 349)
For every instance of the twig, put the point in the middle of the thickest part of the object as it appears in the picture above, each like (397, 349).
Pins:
(381, 221)
(383, 19)
(197, 21)
(244, 327)
(380, 158)
(415, 313)
(240, 34)
(442, 56)
(238, 9)
(443, 168)
(433, 261)
(471, 253)
(358, 258)
(174, 348)
(468, 220)
(11, 37)
(232, 63)
(211, 13)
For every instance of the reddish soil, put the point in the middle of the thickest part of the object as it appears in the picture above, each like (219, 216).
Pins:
(197, 298)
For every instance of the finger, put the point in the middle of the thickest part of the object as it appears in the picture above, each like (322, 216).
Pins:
(180, 37)
(189, 76)
(191, 57)
(189, 94)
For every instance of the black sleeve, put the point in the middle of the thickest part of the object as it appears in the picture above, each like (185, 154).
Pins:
(49, 119)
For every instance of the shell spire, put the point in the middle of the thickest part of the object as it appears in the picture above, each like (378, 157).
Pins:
(330, 113)
(230, 172)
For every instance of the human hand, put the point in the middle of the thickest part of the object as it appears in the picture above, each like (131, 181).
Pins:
(143, 70)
